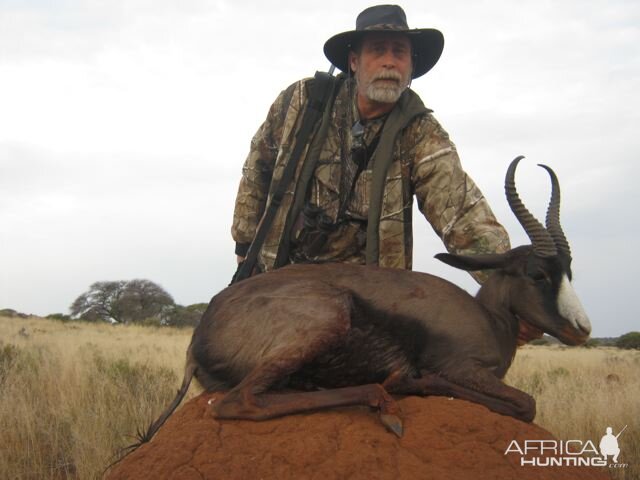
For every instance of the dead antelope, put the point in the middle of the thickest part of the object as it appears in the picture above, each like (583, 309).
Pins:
(307, 337)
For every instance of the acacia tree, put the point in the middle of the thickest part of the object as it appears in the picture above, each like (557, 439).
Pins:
(100, 302)
(121, 301)
(143, 299)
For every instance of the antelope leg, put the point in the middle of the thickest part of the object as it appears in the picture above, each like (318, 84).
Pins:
(237, 405)
(480, 387)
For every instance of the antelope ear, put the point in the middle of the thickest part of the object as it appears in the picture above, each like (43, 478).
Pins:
(474, 262)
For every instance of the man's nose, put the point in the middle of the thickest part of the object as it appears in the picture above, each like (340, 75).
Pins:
(389, 60)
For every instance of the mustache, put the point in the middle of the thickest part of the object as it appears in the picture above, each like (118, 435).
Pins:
(387, 75)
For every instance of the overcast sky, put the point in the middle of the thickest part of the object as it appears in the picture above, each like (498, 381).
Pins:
(124, 126)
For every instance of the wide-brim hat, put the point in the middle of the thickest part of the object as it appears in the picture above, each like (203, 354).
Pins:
(427, 43)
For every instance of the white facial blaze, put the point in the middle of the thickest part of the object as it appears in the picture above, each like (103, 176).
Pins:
(570, 307)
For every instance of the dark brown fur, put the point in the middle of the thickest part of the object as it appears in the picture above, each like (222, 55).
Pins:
(315, 336)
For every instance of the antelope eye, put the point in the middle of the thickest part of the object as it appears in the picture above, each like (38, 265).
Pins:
(540, 276)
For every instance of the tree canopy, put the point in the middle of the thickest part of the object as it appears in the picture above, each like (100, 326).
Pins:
(122, 301)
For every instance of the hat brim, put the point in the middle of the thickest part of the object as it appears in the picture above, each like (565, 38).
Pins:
(427, 44)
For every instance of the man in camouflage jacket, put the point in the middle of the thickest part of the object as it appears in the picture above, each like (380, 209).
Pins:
(374, 149)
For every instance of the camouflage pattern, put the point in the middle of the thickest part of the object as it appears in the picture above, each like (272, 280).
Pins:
(425, 164)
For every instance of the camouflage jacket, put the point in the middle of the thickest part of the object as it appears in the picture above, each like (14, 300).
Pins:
(423, 163)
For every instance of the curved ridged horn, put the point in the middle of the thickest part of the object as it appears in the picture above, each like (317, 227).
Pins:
(542, 242)
(553, 215)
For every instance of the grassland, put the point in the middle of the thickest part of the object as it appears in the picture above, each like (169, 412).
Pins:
(70, 393)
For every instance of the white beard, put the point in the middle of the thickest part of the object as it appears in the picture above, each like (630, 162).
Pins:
(385, 92)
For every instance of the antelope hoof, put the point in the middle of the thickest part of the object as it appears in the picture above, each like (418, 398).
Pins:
(392, 423)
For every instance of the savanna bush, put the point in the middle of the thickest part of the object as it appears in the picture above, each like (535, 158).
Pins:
(59, 316)
(629, 340)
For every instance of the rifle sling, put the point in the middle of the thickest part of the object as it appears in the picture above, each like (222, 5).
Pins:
(320, 93)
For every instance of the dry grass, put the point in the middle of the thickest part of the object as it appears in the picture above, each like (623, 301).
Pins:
(580, 392)
(70, 393)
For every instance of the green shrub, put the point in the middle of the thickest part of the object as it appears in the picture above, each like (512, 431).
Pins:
(10, 312)
(592, 343)
(629, 340)
(179, 316)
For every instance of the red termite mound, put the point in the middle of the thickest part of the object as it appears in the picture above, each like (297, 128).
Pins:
(443, 439)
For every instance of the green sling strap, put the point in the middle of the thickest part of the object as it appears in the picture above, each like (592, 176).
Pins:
(409, 106)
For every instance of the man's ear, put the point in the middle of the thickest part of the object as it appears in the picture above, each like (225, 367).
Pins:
(471, 263)
(353, 61)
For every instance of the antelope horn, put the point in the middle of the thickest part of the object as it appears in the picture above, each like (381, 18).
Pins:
(542, 242)
(553, 215)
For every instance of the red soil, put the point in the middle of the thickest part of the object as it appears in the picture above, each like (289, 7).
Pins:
(443, 439)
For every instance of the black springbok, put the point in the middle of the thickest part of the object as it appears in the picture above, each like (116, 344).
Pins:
(307, 337)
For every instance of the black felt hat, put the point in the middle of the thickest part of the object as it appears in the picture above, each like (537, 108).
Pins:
(427, 43)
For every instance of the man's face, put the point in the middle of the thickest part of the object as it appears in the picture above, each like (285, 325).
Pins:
(383, 66)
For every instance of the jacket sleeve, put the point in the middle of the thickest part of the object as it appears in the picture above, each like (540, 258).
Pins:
(448, 197)
(256, 174)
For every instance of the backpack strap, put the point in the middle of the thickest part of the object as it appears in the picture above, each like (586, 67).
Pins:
(319, 95)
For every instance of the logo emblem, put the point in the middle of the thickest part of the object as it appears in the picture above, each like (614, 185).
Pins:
(609, 444)
(576, 453)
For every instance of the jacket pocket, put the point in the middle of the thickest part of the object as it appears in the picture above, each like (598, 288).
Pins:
(358, 206)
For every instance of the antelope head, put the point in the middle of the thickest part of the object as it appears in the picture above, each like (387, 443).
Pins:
(535, 278)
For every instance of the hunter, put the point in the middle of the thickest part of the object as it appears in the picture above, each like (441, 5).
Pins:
(374, 146)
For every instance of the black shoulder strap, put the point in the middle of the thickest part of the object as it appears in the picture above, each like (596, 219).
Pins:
(319, 95)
